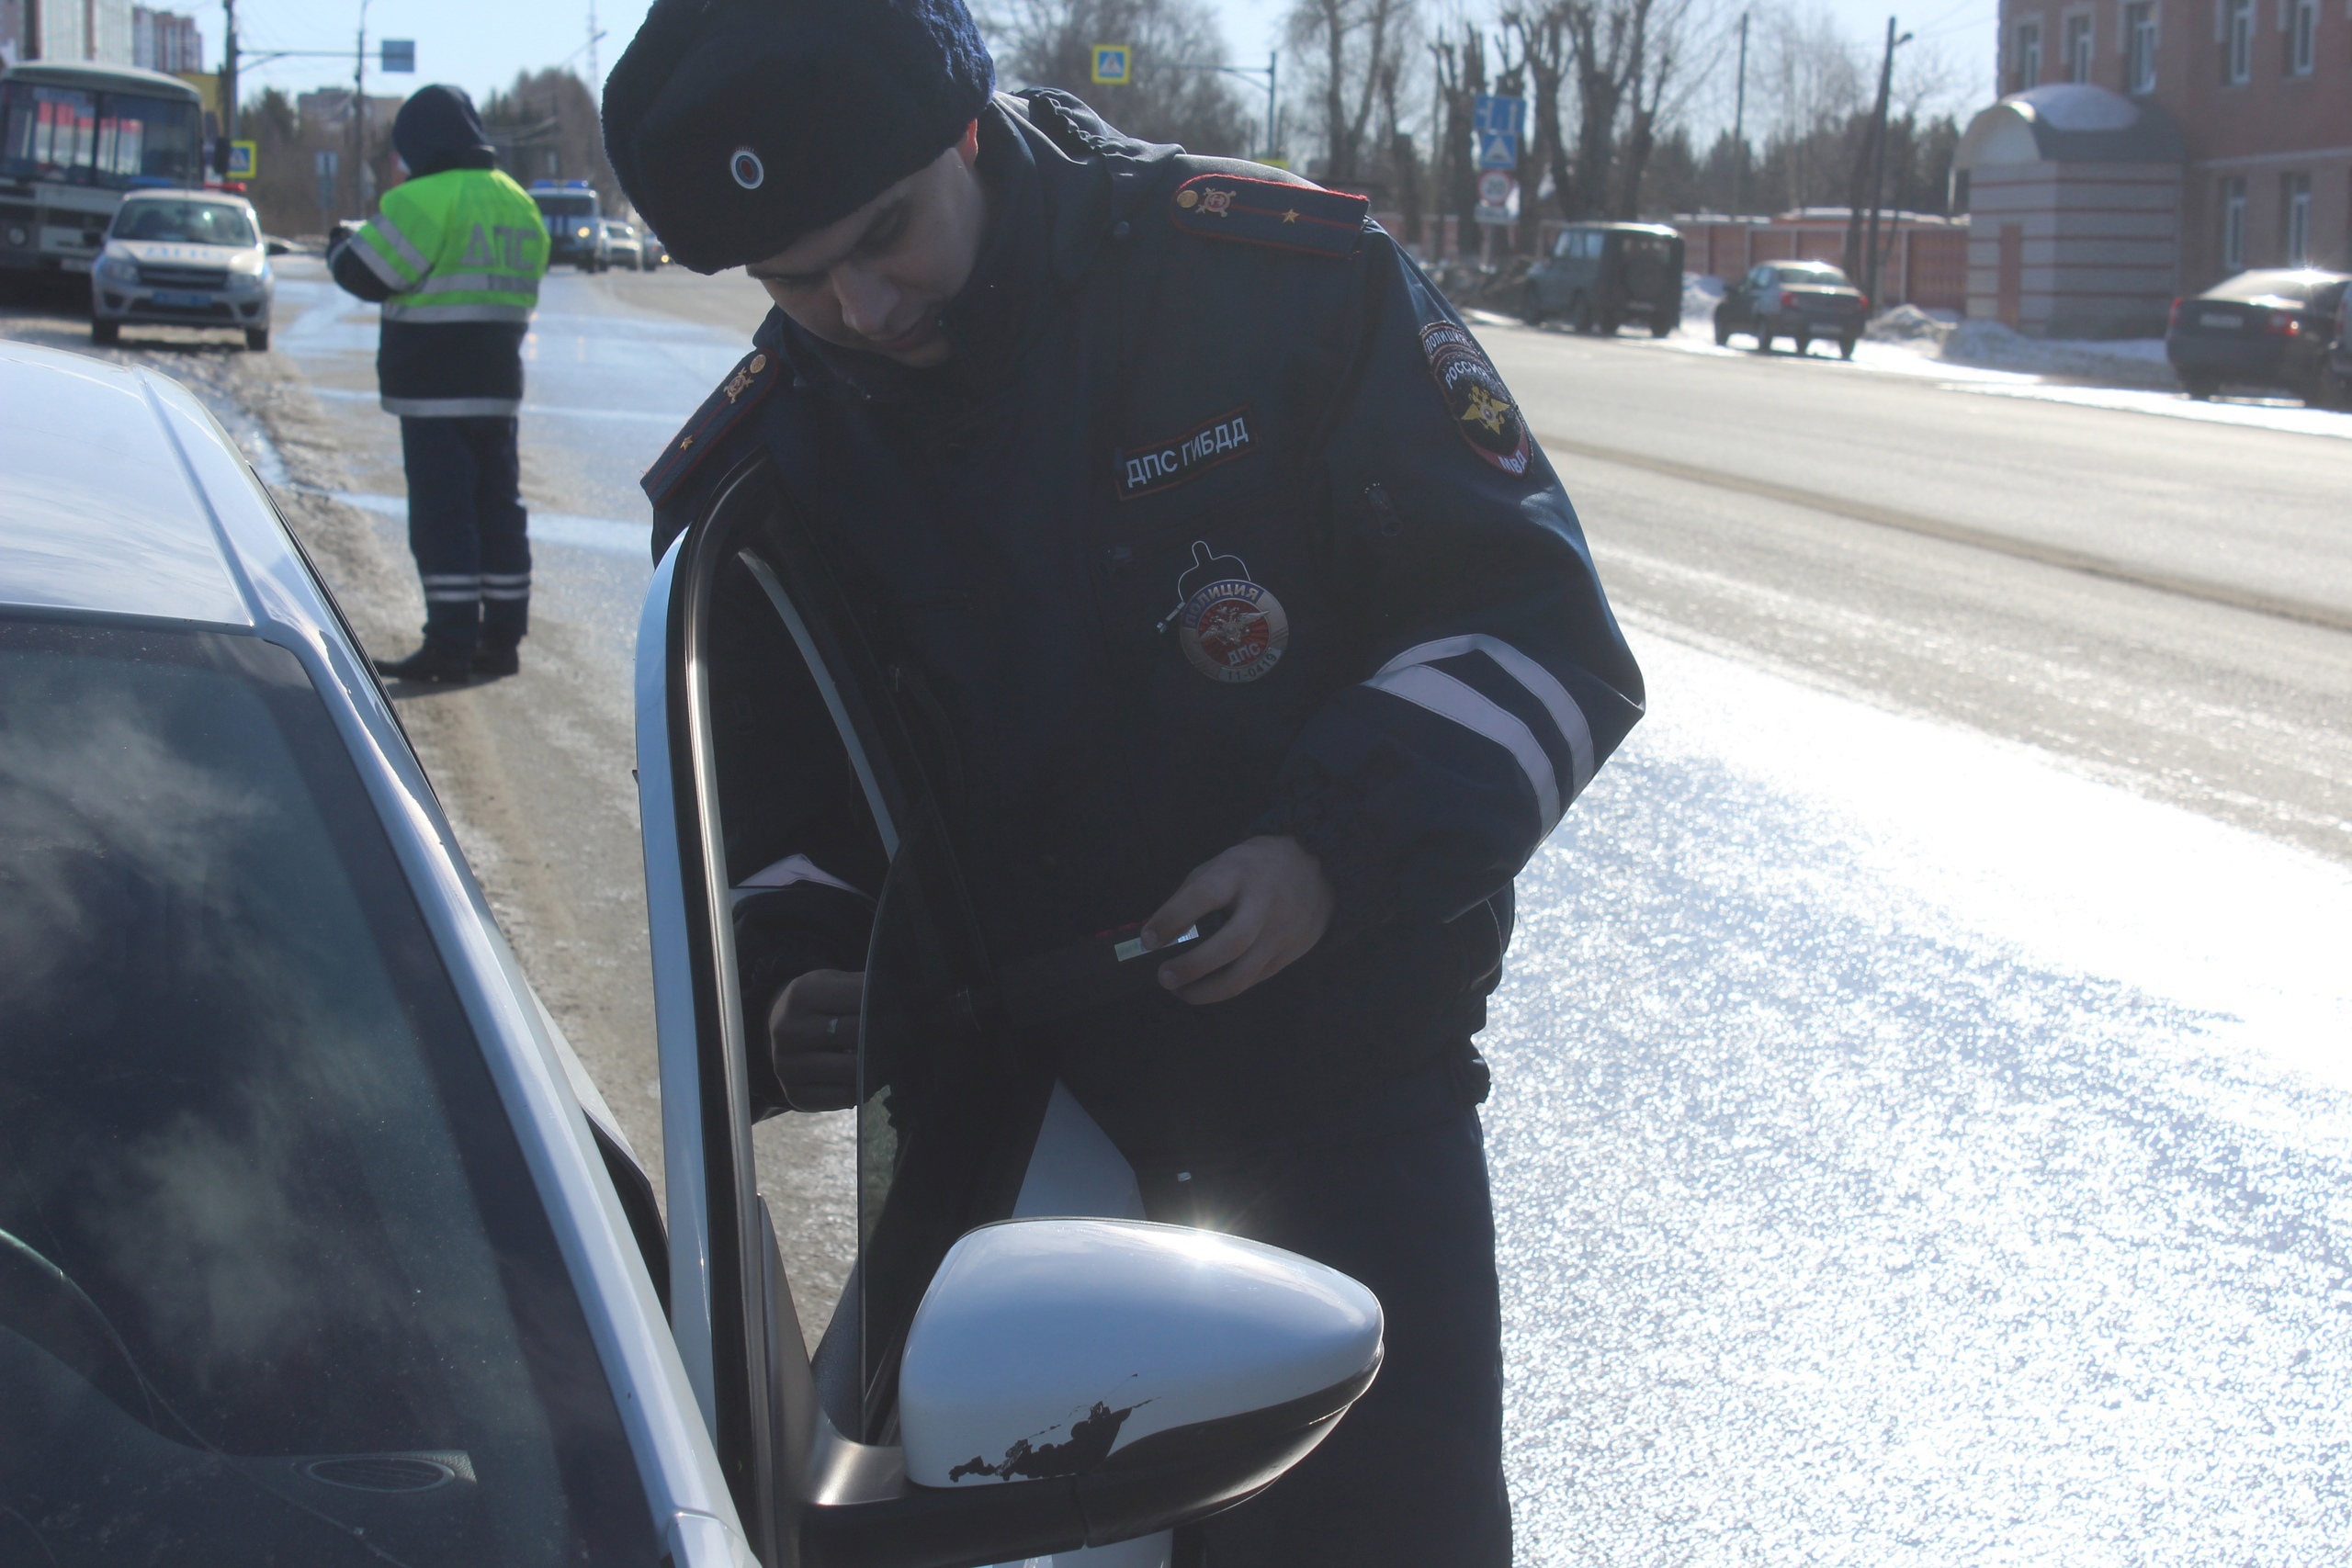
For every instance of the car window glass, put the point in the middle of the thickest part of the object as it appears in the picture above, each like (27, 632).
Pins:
(275, 1282)
(187, 222)
(581, 206)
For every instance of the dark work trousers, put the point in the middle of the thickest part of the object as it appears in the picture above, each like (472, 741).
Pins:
(1412, 1477)
(467, 529)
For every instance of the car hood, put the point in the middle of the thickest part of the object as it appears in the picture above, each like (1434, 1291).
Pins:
(173, 252)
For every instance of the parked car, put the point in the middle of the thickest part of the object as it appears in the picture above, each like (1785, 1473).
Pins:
(318, 1245)
(2339, 354)
(656, 253)
(1800, 300)
(194, 258)
(1600, 276)
(2270, 331)
(623, 245)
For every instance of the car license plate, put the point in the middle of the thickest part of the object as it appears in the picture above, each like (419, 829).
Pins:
(181, 297)
(2221, 319)
(75, 264)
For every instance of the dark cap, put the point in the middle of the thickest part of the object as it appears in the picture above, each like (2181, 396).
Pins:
(738, 126)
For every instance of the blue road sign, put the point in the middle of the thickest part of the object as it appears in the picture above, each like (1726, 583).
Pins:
(400, 55)
(1497, 123)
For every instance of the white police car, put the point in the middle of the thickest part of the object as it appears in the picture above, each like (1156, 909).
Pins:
(185, 258)
(317, 1245)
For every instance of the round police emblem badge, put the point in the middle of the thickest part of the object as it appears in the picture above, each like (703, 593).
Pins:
(1483, 409)
(745, 165)
(1233, 630)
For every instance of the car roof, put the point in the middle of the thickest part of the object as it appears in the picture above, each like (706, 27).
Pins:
(160, 195)
(119, 497)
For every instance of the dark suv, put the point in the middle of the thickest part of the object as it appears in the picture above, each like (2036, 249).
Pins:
(1600, 276)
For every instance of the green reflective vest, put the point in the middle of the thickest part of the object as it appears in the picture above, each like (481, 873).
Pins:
(461, 245)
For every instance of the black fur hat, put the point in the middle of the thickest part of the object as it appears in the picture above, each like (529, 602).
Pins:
(738, 126)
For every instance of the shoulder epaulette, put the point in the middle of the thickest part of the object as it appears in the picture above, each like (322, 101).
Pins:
(746, 387)
(1302, 218)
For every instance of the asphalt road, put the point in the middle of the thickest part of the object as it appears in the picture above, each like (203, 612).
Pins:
(1923, 1114)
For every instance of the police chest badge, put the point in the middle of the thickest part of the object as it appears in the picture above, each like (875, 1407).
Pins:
(1233, 630)
(1482, 407)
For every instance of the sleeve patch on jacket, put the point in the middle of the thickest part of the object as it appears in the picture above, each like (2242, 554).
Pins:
(1480, 405)
(1305, 219)
(743, 391)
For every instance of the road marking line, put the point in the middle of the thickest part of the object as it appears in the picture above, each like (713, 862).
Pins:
(2247, 599)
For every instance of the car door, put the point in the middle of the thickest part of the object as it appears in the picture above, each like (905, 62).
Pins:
(770, 733)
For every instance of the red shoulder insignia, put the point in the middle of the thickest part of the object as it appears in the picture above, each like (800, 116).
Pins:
(745, 387)
(1302, 218)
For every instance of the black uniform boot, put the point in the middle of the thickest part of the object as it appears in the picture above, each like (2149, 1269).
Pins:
(436, 663)
(494, 662)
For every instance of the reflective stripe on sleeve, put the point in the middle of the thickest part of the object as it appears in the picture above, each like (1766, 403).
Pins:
(523, 283)
(1541, 684)
(381, 265)
(382, 226)
(1448, 698)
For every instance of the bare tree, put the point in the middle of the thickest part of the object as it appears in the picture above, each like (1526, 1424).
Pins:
(1459, 64)
(1351, 46)
(1543, 51)
(1050, 43)
(1667, 35)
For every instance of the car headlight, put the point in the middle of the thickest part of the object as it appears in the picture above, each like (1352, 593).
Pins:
(245, 282)
(119, 267)
(582, 233)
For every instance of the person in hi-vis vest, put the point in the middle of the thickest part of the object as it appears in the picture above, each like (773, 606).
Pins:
(455, 256)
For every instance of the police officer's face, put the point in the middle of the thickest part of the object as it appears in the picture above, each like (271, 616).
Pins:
(877, 279)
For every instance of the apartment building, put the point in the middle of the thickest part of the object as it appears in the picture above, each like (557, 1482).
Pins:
(2261, 91)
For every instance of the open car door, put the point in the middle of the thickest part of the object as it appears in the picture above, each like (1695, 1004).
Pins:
(999, 1378)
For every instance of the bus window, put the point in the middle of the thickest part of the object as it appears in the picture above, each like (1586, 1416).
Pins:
(116, 139)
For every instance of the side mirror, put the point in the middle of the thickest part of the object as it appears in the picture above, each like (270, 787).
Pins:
(1152, 1373)
(272, 246)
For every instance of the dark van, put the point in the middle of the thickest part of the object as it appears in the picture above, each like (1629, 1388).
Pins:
(1600, 276)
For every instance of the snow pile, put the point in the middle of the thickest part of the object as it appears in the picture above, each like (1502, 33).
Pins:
(2132, 363)
(1702, 292)
(1908, 323)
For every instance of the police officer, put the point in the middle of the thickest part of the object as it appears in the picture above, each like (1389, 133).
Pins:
(456, 257)
(1228, 569)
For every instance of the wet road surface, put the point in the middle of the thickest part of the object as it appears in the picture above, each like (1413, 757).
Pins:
(1919, 1136)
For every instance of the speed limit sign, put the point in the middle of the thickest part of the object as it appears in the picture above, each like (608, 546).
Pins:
(1494, 187)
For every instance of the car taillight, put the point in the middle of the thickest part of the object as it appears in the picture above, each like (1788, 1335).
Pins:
(1866, 304)
(1788, 299)
(2175, 319)
(2279, 324)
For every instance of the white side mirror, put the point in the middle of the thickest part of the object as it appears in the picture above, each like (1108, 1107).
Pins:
(1167, 1371)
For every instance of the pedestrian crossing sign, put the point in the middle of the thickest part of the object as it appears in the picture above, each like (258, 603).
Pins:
(241, 161)
(1114, 64)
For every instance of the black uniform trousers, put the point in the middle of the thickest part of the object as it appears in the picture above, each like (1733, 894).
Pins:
(468, 530)
(1412, 1477)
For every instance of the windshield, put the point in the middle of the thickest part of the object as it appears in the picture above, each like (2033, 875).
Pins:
(1819, 274)
(190, 223)
(117, 140)
(581, 206)
(274, 1285)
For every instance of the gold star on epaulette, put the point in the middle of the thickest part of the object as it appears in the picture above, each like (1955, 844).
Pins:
(686, 443)
(1291, 216)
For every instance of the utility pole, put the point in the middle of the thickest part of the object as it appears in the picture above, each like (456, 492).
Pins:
(229, 73)
(1878, 164)
(359, 118)
(1739, 128)
(595, 82)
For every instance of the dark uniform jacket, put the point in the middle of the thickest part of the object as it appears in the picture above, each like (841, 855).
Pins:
(1218, 523)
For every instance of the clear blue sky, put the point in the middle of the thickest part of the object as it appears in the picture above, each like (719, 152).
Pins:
(481, 44)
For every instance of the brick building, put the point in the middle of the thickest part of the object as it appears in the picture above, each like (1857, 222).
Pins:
(2261, 91)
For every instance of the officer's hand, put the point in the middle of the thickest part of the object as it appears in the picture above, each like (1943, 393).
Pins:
(812, 1038)
(1278, 906)
(341, 230)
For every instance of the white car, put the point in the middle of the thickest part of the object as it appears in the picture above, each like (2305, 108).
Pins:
(184, 258)
(316, 1242)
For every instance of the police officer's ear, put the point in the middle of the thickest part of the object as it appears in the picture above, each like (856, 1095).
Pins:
(968, 146)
